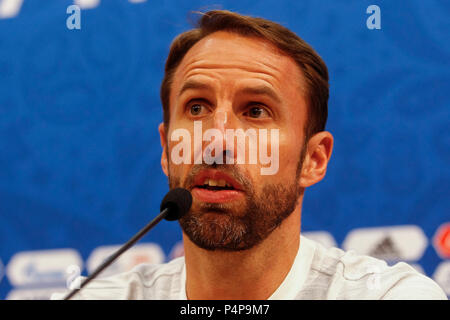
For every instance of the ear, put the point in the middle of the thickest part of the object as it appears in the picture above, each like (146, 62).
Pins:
(163, 138)
(318, 153)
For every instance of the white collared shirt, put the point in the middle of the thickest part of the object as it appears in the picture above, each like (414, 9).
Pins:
(316, 273)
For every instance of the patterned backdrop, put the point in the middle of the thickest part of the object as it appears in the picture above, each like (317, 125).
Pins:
(80, 153)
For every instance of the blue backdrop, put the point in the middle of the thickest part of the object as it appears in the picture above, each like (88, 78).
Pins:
(80, 152)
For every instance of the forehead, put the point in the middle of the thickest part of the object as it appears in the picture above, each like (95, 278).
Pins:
(228, 56)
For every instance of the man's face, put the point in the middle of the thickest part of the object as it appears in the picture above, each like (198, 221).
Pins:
(224, 82)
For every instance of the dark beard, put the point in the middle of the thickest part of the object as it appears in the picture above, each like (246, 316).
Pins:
(222, 226)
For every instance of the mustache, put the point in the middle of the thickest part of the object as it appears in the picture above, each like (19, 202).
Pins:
(230, 170)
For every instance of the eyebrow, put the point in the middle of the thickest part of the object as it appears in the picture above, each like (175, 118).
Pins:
(262, 90)
(194, 85)
(258, 90)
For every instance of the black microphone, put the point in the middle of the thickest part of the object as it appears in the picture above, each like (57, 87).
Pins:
(175, 204)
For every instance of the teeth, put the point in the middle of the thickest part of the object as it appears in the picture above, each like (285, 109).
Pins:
(218, 183)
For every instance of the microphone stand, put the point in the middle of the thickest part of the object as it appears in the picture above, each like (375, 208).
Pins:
(121, 250)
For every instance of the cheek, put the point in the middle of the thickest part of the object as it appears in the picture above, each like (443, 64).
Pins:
(290, 148)
(176, 152)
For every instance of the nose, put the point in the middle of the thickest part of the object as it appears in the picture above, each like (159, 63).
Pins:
(218, 150)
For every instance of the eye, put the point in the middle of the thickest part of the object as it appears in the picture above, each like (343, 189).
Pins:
(197, 109)
(257, 112)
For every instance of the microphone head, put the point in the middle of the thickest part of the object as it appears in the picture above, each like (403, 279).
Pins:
(178, 201)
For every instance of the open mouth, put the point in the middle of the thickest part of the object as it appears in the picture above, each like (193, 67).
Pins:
(215, 186)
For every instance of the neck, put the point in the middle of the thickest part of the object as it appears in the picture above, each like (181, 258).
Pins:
(223, 275)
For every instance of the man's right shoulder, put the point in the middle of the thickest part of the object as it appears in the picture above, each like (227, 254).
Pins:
(144, 281)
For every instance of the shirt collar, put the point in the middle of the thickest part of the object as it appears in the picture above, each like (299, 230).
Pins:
(298, 273)
(294, 280)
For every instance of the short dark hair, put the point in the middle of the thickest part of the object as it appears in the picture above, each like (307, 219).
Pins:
(311, 64)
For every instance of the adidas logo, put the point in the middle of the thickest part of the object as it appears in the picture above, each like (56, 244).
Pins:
(385, 249)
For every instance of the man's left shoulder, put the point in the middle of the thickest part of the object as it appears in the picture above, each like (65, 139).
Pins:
(410, 285)
(370, 278)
